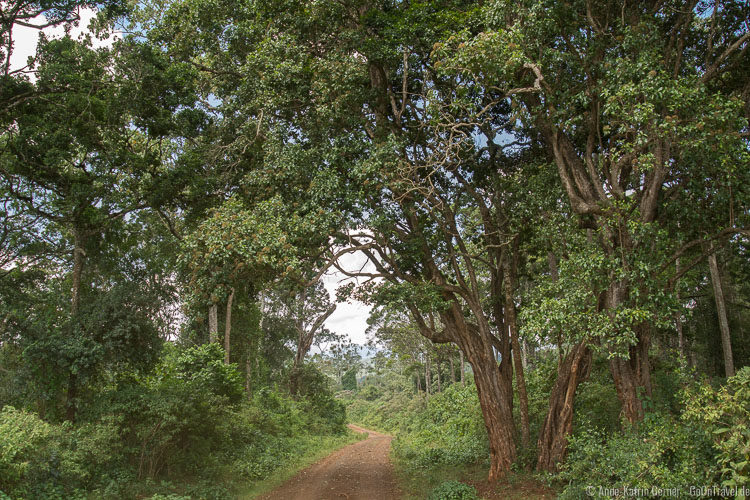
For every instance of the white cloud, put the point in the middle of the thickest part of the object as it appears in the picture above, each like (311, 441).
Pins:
(350, 318)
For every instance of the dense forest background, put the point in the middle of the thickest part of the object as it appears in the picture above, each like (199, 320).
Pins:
(552, 198)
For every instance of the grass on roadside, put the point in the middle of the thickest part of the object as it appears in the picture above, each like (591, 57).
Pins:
(311, 449)
(418, 482)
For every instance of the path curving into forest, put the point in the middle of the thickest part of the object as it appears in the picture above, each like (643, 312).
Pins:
(360, 471)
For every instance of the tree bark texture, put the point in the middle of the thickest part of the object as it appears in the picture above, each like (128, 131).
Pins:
(462, 368)
(553, 437)
(512, 325)
(721, 311)
(631, 374)
(213, 323)
(228, 327)
(492, 389)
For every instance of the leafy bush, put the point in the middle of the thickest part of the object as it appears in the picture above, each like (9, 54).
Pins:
(662, 452)
(41, 460)
(188, 418)
(204, 370)
(324, 413)
(726, 416)
(178, 408)
(449, 431)
(91, 454)
(453, 490)
(24, 449)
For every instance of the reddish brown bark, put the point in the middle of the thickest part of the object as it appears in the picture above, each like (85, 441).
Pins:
(632, 374)
(626, 386)
(553, 438)
(492, 389)
(498, 416)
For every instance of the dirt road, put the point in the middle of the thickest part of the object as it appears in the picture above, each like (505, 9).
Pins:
(360, 471)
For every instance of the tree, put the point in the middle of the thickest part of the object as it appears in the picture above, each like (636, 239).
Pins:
(308, 309)
(347, 136)
(40, 15)
(642, 112)
(721, 310)
(82, 181)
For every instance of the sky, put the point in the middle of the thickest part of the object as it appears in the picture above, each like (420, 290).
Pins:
(350, 318)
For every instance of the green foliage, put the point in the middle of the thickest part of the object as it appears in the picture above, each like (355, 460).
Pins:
(453, 490)
(238, 243)
(203, 369)
(596, 404)
(349, 379)
(725, 414)
(324, 412)
(23, 438)
(392, 412)
(177, 409)
(139, 432)
(662, 452)
(449, 431)
(56, 461)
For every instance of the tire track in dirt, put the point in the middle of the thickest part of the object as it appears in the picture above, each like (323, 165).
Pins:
(360, 471)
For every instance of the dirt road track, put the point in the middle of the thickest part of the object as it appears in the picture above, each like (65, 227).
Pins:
(360, 471)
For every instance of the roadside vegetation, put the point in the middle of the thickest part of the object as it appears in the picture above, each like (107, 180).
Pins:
(187, 430)
(693, 425)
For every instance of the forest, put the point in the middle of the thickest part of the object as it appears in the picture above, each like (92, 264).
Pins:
(551, 200)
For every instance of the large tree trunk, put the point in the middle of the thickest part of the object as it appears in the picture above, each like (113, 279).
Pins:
(721, 310)
(498, 416)
(79, 256)
(553, 437)
(510, 321)
(503, 346)
(627, 389)
(493, 382)
(228, 327)
(494, 400)
(213, 323)
(631, 375)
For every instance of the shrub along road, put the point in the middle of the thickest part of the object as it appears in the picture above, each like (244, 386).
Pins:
(359, 471)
